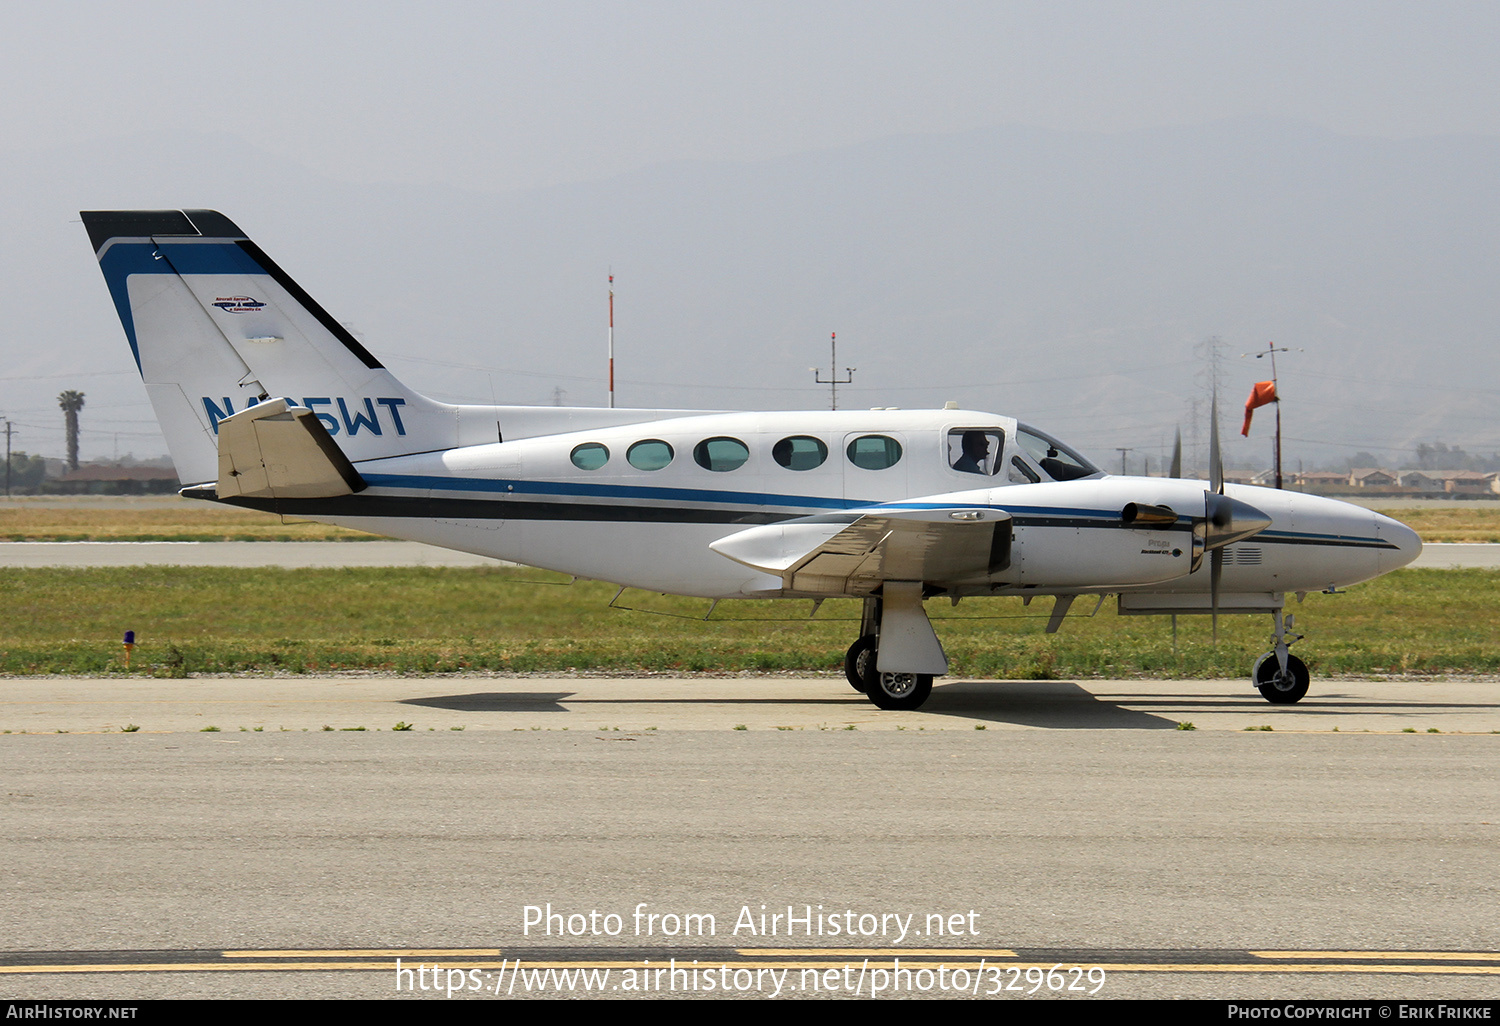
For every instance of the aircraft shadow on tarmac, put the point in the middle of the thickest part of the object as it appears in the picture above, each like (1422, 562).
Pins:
(1055, 704)
(1038, 703)
(1058, 705)
(498, 701)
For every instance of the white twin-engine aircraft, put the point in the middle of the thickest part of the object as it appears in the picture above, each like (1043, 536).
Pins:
(268, 402)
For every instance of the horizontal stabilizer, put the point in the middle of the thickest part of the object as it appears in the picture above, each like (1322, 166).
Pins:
(277, 450)
(853, 554)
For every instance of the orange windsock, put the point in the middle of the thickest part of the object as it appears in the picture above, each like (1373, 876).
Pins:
(1264, 392)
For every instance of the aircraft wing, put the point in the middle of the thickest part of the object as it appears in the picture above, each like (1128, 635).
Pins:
(277, 450)
(855, 553)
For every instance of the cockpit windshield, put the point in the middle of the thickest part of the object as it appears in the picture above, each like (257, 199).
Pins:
(1056, 460)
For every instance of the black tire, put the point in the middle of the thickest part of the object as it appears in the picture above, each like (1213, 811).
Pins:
(860, 661)
(898, 690)
(1279, 688)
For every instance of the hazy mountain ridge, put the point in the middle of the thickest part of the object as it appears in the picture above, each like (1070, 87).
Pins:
(1060, 277)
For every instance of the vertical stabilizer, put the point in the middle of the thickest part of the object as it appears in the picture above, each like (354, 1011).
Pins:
(216, 327)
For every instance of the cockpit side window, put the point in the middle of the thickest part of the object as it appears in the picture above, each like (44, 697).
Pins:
(975, 450)
(1056, 460)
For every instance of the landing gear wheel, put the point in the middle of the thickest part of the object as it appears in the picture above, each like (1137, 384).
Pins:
(897, 690)
(859, 662)
(1277, 687)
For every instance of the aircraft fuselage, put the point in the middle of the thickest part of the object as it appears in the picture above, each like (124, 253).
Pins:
(528, 502)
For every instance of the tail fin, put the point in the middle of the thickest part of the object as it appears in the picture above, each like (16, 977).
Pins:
(216, 326)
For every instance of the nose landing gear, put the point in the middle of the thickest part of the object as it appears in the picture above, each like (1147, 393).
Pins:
(1281, 677)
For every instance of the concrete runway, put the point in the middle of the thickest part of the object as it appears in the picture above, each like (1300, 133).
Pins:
(1080, 828)
(399, 553)
(1344, 853)
(707, 703)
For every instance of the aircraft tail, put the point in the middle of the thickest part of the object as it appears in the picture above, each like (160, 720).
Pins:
(216, 327)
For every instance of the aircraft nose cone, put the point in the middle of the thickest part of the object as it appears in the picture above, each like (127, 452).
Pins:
(1407, 545)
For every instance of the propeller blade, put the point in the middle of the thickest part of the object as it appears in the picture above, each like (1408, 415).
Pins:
(1215, 459)
(1215, 570)
(1177, 455)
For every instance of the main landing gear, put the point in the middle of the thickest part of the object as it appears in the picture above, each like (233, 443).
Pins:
(861, 663)
(1281, 677)
(886, 690)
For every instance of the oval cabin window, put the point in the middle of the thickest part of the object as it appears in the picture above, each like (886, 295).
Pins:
(874, 452)
(721, 454)
(590, 456)
(649, 454)
(800, 452)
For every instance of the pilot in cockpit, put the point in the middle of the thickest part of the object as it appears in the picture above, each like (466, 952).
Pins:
(976, 449)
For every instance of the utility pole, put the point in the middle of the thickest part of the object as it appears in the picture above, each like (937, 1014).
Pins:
(611, 340)
(1271, 351)
(7, 457)
(834, 381)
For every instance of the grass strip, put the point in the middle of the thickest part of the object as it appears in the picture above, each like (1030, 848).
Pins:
(438, 620)
(183, 520)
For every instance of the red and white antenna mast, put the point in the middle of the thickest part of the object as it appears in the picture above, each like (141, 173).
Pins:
(834, 381)
(611, 340)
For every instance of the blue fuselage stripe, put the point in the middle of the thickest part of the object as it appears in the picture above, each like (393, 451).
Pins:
(516, 488)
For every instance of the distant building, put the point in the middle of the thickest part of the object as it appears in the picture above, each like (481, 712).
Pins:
(1372, 477)
(112, 479)
(1321, 480)
(1451, 482)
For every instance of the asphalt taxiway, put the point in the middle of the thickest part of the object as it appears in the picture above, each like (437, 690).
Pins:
(719, 703)
(1349, 851)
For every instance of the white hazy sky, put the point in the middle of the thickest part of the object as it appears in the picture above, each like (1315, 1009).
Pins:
(493, 96)
(498, 96)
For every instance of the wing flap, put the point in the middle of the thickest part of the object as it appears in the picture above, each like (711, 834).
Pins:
(837, 555)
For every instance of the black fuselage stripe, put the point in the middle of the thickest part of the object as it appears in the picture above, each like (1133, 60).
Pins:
(418, 508)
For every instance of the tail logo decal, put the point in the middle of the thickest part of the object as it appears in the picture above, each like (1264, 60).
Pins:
(238, 304)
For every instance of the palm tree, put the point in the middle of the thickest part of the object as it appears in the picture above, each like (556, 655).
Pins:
(71, 402)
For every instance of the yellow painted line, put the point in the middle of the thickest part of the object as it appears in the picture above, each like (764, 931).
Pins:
(370, 953)
(970, 953)
(1360, 968)
(1433, 956)
(195, 967)
(1319, 967)
(1141, 967)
